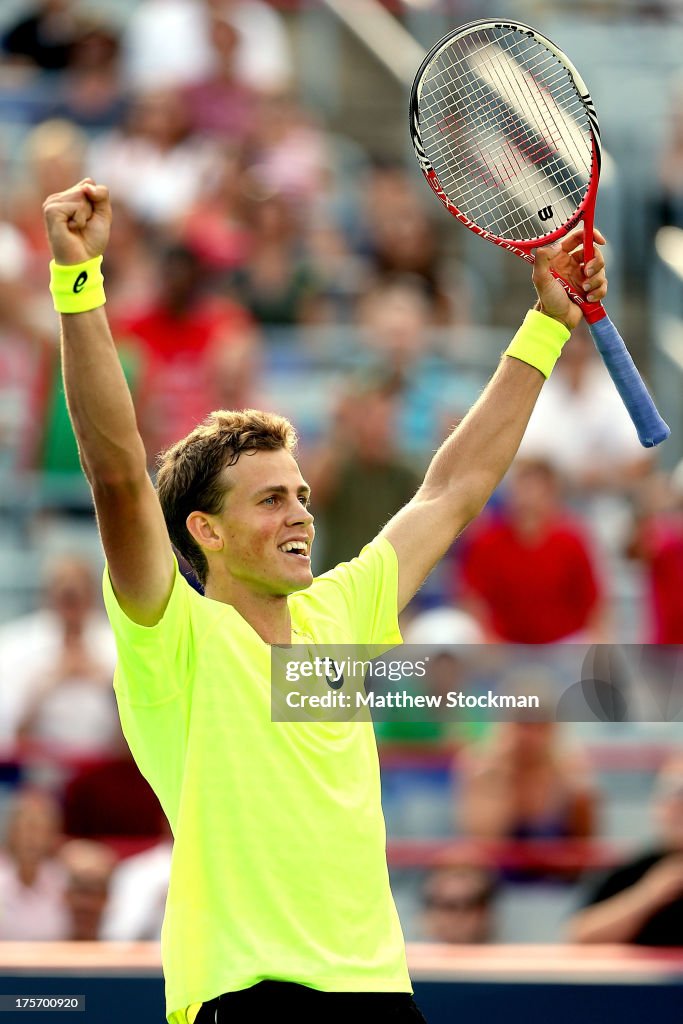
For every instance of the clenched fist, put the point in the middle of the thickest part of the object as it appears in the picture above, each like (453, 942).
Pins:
(78, 222)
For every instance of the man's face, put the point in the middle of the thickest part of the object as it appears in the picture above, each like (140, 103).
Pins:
(265, 510)
(70, 592)
(458, 907)
(532, 492)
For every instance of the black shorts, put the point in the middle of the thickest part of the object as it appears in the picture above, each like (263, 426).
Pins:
(285, 1002)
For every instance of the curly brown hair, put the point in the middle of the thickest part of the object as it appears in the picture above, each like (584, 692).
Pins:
(189, 476)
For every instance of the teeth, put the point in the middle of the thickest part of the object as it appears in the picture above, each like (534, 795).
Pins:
(294, 545)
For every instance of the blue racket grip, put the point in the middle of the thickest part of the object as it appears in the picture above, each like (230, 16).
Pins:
(649, 425)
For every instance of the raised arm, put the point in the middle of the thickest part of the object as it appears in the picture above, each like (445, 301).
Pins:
(130, 519)
(473, 460)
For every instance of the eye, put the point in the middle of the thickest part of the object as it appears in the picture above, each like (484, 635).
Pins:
(270, 500)
(305, 501)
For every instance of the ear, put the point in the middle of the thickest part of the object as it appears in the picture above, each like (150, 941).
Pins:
(204, 531)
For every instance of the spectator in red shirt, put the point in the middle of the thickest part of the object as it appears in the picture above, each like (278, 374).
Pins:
(110, 798)
(657, 541)
(528, 575)
(198, 353)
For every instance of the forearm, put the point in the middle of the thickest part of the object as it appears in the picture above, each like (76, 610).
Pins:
(100, 404)
(472, 461)
(617, 919)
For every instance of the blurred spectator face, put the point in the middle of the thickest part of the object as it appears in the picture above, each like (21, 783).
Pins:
(272, 219)
(236, 367)
(277, 116)
(406, 244)
(70, 590)
(181, 273)
(658, 495)
(397, 319)
(459, 906)
(161, 117)
(33, 828)
(533, 490)
(446, 672)
(374, 426)
(388, 191)
(230, 182)
(669, 808)
(96, 48)
(527, 742)
(224, 40)
(576, 359)
(55, 152)
(89, 868)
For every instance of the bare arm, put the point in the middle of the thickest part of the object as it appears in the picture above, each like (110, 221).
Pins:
(619, 918)
(130, 519)
(473, 460)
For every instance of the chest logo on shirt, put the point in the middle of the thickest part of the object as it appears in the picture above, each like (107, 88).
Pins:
(334, 674)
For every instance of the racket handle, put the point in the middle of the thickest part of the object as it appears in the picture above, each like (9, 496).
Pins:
(649, 425)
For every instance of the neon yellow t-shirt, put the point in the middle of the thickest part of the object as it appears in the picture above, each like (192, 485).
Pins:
(279, 865)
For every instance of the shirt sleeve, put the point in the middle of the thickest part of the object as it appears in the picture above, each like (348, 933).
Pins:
(152, 665)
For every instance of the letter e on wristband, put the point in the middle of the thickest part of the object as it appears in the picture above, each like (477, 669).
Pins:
(78, 287)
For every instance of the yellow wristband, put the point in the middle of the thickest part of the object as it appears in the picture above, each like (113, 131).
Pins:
(539, 341)
(78, 287)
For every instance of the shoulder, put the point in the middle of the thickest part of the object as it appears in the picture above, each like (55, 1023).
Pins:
(493, 529)
(376, 558)
(184, 604)
(571, 531)
(353, 600)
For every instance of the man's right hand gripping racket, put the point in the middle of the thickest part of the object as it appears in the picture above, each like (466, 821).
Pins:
(507, 137)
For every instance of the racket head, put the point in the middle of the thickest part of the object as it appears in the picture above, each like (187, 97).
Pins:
(506, 133)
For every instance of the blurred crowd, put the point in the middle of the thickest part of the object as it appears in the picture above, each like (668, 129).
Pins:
(256, 251)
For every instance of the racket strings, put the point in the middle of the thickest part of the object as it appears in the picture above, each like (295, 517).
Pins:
(508, 164)
(520, 141)
(507, 133)
(552, 90)
(486, 95)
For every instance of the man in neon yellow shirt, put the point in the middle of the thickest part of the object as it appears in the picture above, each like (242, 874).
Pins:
(279, 900)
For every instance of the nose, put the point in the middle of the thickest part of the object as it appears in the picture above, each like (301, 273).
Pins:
(299, 515)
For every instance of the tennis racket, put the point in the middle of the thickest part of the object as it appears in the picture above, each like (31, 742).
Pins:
(507, 137)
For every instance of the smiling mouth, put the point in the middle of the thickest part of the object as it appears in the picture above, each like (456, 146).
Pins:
(298, 549)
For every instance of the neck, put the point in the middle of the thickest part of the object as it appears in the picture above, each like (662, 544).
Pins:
(530, 527)
(28, 872)
(267, 614)
(73, 630)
